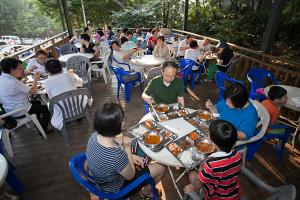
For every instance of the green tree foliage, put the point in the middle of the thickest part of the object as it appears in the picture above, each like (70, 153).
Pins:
(22, 18)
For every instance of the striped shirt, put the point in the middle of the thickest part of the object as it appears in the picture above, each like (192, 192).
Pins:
(105, 163)
(220, 176)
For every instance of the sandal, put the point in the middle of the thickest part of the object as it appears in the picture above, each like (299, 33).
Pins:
(150, 195)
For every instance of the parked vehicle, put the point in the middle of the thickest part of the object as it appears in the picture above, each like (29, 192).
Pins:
(38, 40)
(27, 41)
(9, 50)
(12, 40)
(3, 43)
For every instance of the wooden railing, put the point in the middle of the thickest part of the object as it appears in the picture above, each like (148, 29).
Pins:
(49, 44)
(287, 72)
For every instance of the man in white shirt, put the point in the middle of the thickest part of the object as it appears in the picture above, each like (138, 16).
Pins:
(193, 54)
(204, 45)
(183, 45)
(14, 93)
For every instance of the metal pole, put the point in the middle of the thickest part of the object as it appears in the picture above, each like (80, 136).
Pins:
(271, 28)
(83, 13)
(61, 15)
(186, 13)
(67, 16)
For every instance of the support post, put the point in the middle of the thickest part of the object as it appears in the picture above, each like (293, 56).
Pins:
(67, 16)
(271, 28)
(62, 19)
(83, 13)
(186, 13)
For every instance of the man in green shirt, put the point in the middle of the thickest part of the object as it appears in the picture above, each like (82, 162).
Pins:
(167, 88)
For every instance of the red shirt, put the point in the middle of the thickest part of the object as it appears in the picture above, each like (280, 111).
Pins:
(220, 176)
(151, 39)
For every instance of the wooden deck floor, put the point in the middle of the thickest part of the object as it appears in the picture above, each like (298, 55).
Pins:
(42, 165)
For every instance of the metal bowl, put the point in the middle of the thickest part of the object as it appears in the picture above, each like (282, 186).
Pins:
(205, 116)
(161, 108)
(205, 146)
(152, 139)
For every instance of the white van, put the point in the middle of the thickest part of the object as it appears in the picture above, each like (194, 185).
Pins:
(13, 40)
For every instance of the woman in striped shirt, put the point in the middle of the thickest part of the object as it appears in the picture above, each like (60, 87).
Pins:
(219, 175)
(112, 165)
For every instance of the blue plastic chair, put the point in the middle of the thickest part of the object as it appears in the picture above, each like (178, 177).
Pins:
(256, 77)
(252, 148)
(220, 78)
(76, 165)
(11, 179)
(120, 74)
(187, 65)
(112, 58)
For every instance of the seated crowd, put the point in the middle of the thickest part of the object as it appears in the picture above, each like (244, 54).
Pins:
(112, 162)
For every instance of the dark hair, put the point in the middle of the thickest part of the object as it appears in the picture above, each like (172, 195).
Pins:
(187, 36)
(137, 26)
(150, 30)
(86, 29)
(108, 119)
(129, 32)
(223, 134)
(161, 38)
(109, 27)
(41, 52)
(53, 66)
(100, 32)
(114, 42)
(123, 40)
(276, 92)
(125, 30)
(153, 31)
(237, 93)
(8, 63)
(193, 44)
(85, 37)
(169, 64)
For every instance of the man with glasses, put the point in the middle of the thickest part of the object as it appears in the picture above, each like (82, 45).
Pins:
(14, 94)
(166, 88)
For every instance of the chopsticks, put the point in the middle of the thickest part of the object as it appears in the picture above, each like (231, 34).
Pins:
(156, 115)
(137, 137)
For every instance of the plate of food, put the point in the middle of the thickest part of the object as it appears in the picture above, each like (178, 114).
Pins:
(152, 139)
(205, 116)
(205, 147)
(161, 108)
(175, 149)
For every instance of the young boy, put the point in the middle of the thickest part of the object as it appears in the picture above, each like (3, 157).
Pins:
(219, 175)
(277, 96)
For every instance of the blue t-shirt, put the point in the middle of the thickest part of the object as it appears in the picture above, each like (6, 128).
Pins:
(106, 163)
(244, 119)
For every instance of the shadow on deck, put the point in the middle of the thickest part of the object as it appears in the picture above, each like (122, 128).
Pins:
(42, 165)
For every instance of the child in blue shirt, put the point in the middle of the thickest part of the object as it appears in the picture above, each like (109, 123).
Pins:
(238, 110)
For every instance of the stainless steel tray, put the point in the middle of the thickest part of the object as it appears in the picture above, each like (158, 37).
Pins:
(186, 154)
(166, 135)
(175, 111)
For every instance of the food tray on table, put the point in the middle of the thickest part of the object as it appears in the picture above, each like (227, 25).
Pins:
(192, 149)
(166, 112)
(152, 134)
(200, 119)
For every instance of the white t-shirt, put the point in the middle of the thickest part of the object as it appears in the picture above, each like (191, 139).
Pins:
(58, 84)
(35, 66)
(128, 45)
(13, 94)
(192, 54)
(182, 44)
(203, 48)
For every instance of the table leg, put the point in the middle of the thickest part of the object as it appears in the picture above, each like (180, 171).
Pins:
(175, 183)
(295, 134)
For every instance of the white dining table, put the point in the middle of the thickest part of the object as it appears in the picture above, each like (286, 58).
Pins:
(66, 57)
(148, 61)
(3, 169)
(293, 93)
(179, 126)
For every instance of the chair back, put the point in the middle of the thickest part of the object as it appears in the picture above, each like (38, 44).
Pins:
(119, 72)
(257, 77)
(113, 59)
(221, 78)
(71, 104)
(106, 58)
(263, 123)
(76, 165)
(232, 63)
(79, 64)
(172, 51)
(68, 49)
(103, 47)
(151, 73)
(186, 66)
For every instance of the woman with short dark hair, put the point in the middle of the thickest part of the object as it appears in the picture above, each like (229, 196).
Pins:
(112, 164)
(37, 64)
(88, 47)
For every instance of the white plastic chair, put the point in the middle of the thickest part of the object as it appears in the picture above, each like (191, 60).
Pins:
(151, 73)
(284, 192)
(20, 122)
(172, 52)
(263, 123)
(104, 61)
